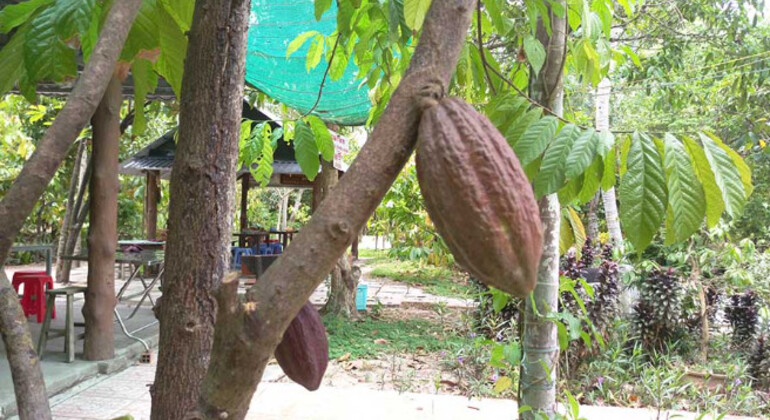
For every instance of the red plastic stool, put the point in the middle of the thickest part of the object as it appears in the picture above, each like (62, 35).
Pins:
(33, 299)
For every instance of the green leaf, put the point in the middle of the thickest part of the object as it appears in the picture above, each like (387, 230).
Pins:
(145, 82)
(552, 170)
(685, 193)
(320, 7)
(297, 42)
(726, 176)
(181, 11)
(629, 52)
(306, 150)
(714, 203)
(314, 53)
(577, 227)
(582, 154)
(14, 15)
(414, 13)
(642, 192)
(535, 53)
(264, 169)
(605, 142)
(535, 139)
(12, 61)
(503, 383)
(91, 36)
(144, 34)
(570, 191)
(173, 50)
(323, 138)
(46, 56)
(566, 235)
(592, 180)
(521, 124)
(73, 16)
(743, 168)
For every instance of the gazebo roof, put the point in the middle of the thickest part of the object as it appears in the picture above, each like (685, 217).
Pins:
(158, 156)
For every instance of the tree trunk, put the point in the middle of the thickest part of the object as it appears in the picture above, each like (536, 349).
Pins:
(592, 228)
(602, 100)
(248, 331)
(539, 367)
(202, 202)
(342, 288)
(151, 197)
(27, 188)
(70, 212)
(295, 207)
(103, 227)
(284, 209)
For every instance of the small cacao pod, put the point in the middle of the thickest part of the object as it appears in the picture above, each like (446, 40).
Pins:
(303, 353)
(478, 196)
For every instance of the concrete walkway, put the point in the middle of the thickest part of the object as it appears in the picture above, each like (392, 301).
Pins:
(127, 392)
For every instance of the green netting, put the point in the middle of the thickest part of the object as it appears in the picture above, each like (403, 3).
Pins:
(274, 24)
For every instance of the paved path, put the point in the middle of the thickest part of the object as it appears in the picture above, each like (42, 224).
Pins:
(127, 392)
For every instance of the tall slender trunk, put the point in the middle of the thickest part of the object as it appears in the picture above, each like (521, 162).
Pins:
(248, 330)
(295, 207)
(592, 225)
(71, 210)
(26, 190)
(539, 366)
(202, 202)
(284, 209)
(103, 227)
(342, 288)
(602, 100)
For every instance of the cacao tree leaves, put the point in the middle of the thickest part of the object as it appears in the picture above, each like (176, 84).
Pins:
(12, 61)
(145, 82)
(72, 16)
(713, 195)
(15, 15)
(535, 139)
(552, 172)
(582, 154)
(687, 202)
(535, 53)
(323, 137)
(414, 13)
(46, 56)
(306, 150)
(726, 176)
(643, 195)
(173, 49)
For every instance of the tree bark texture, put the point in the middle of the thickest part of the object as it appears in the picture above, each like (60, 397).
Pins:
(295, 207)
(539, 365)
(103, 226)
(71, 209)
(602, 100)
(248, 332)
(202, 202)
(342, 288)
(151, 198)
(27, 188)
(592, 227)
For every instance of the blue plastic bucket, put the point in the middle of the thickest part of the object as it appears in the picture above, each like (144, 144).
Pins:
(361, 292)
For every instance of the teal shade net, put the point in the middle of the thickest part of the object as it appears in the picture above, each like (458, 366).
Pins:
(273, 25)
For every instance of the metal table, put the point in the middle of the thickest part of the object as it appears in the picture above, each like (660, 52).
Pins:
(37, 247)
(137, 260)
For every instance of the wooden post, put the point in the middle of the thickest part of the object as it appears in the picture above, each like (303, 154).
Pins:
(103, 232)
(245, 184)
(151, 197)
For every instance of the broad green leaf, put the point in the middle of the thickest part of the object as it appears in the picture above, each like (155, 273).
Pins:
(145, 82)
(608, 177)
(642, 192)
(535, 53)
(173, 44)
(181, 11)
(566, 235)
(91, 36)
(570, 191)
(629, 52)
(628, 7)
(552, 170)
(726, 176)
(46, 56)
(521, 124)
(713, 195)
(414, 13)
(73, 16)
(605, 142)
(12, 61)
(503, 110)
(578, 230)
(320, 7)
(535, 139)
(743, 168)
(306, 150)
(297, 42)
(315, 52)
(144, 34)
(592, 180)
(323, 138)
(264, 169)
(685, 193)
(14, 15)
(582, 154)
(502, 383)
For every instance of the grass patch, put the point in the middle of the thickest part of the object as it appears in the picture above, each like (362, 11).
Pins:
(368, 253)
(358, 338)
(440, 281)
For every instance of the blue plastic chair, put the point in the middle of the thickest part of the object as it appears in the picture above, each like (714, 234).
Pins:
(238, 253)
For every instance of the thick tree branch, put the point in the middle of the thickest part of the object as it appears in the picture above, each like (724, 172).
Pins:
(20, 199)
(246, 334)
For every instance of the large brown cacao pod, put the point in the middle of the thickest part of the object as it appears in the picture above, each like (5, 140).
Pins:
(303, 353)
(478, 196)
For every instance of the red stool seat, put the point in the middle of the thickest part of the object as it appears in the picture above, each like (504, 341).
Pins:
(33, 300)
